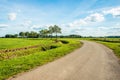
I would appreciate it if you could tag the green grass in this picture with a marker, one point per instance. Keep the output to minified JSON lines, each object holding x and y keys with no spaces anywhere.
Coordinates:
{"x":112,"y":43}
{"x":114,"y":46}
{"x":10,"y":43}
{"x":10,"y":67}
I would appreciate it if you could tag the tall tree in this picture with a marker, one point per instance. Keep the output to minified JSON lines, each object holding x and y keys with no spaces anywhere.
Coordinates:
{"x":51,"y":31}
{"x":22,"y":34}
{"x":56,"y":30}
{"x":44,"y":33}
{"x":26,"y":34}
{"x":15,"y":35}
{"x":41,"y":33}
{"x":33,"y":34}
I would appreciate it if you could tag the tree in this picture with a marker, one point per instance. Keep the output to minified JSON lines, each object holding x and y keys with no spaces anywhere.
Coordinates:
{"x":56,"y":29}
{"x":33,"y":34}
{"x":26,"y":34}
{"x":41,"y":33}
{"x":8,"y":36}
{"x":44,"y":33}
{"x":11,"y":35}
{"x":22,"y":34}
{"x":51,"y":31}
{"x":15,"y":35}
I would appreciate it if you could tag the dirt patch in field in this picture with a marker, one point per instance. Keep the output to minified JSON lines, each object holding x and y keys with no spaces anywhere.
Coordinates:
{"x":19,"y":49}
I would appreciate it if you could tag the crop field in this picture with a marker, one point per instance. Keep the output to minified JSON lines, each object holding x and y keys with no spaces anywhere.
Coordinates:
{"x":9,"y":43}
{"x":113,"y":40}
{"x":15,"y":61}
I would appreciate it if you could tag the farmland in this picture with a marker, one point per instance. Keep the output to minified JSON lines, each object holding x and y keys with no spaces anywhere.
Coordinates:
{"x":9,"y":43}
{"x":47,"y":50}
{"x":24,"y":54}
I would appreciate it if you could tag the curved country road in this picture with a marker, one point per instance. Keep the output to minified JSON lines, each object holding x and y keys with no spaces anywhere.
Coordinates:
{"x":92,"y":61}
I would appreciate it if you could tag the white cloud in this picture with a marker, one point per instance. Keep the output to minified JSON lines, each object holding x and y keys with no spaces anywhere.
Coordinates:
{"x":96,"y":17}
{"x":114,"y":11}
{"x":36,"y":27}
{"x":12,"y":16}
{"x":26,"y":23}
{"x":3,"y":25}
{"x":103,"y":28}
{"x":39,"y":27}
{"x":118,"y":24}
{"x":77,"y":23}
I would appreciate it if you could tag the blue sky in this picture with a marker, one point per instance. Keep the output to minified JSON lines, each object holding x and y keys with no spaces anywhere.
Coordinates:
{"x":84,"y":17}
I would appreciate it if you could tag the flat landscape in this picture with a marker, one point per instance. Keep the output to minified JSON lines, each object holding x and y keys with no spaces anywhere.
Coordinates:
{"x":90,"y":57}
{"x":59,"y":39}
{"x":91,"y":62}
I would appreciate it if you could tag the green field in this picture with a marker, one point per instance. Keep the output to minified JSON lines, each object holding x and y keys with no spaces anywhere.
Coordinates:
{"x":15,"y":62}
{"x":48,"y":50}
{"x":8,"y":43}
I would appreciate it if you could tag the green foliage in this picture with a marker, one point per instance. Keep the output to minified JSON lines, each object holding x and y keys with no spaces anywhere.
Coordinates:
{"x":11,"y":36}
{"x":56,"y":29}
{"x":44,"y":33}
{"x":22,"y":34}
{"x":64,"y":42}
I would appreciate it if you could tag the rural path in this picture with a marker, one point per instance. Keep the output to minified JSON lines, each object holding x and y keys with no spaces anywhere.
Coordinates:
{"x":92,"y":61}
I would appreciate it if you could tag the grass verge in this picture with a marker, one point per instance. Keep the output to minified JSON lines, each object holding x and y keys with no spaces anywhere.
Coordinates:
{"x":114,"y":46}
{"x":112,"y":43}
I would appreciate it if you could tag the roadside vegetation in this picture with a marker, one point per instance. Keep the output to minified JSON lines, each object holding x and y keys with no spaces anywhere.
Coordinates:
{"x":15,"y":62}
{"x":112,"y":43}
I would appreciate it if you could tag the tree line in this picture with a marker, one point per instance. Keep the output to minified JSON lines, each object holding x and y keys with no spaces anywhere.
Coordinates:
{"x":44,"y":33}
{"x":51,"y":32}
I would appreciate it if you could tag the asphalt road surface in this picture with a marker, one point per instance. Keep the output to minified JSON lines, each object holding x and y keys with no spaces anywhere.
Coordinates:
{"x":92,"y":61}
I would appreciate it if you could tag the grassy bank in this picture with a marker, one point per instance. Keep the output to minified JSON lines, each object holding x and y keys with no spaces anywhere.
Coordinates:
{"x":10,"y":67}
{"x":112,"y":43}
{"x":114,"y":46}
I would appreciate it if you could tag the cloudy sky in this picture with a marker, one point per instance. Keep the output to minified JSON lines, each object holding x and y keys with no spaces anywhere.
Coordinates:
{"x":84,"y":17}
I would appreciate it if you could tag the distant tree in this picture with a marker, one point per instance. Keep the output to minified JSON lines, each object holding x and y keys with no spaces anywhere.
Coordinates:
{"x":44,"y":33}
{"x":7,"y":35}
{"x":33,"y":34}
{"x":51,"y":31}
{"x":11,"y":35}
{"x":74,"y":36}
{"x":56,"y":30}
{"x":15,"y":35}
{"x":41,"y":33}
{"x":26,"y":34}
{"x":22,"y":34}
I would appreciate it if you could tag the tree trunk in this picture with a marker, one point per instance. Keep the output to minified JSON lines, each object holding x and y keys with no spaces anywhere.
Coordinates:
{"x":51,"y":35}
{"x":56,"y":36}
